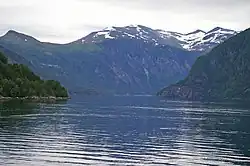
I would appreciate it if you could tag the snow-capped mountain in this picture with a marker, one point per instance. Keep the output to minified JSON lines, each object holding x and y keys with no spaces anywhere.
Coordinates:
{"x":195,"y":41}
{"x":138,"y":32}
{"x":111,"y":66}
{"x":200,"y":40}
{"x":132,"y":59}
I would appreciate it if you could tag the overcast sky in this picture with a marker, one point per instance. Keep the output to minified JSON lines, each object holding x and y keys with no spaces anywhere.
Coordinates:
{"x":67,"y":20}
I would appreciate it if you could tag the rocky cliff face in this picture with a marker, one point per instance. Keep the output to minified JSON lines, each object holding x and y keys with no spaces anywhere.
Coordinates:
{"x":224,"y":73}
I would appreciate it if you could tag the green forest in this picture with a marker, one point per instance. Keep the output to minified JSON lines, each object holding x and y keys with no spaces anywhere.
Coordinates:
{"x":17,"y":80}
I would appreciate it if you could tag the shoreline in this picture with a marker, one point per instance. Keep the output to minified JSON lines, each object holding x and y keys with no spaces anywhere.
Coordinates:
{"x":35,"y":98}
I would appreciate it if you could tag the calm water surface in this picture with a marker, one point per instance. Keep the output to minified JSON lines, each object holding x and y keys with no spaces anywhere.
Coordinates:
{"x":124,"y":131}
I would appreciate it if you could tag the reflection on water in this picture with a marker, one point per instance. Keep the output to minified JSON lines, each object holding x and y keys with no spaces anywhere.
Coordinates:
{"x":124,"y":131}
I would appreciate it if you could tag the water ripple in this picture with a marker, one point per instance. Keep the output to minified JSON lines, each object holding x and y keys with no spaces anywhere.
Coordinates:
{"x":143,"y":133}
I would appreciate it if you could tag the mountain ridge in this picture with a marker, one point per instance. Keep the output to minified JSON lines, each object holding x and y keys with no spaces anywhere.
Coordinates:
{"x":222,"y":74}
{"x":198,"y":40}
{"x":119,"y":65}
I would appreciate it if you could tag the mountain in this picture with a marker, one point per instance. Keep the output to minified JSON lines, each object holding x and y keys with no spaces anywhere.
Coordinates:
{"x":112,"y":66}
{"x":194,"y":41}
{"x":200,"y":40}
{"x":131,"y":59}
{"x":135,"y":32}
{"x":18,"y":81}
{"x":222,"y":74}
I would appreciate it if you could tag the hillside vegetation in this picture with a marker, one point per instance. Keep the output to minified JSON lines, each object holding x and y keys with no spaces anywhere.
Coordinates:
{"x":17,"y":80}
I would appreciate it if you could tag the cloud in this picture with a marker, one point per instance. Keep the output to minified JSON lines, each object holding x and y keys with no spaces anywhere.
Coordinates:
{"x":66,"y":20}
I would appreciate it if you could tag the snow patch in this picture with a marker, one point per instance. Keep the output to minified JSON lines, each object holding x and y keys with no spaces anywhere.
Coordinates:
{"x":133,"y":25}
{"x":102,"y":33}
{"x":109,"y":29}
{"x":106,"y":34}
{"x":191,"y":40}
{"x":138,"y":29}
{"x":196,"y":40}
{"x":129,"y":35}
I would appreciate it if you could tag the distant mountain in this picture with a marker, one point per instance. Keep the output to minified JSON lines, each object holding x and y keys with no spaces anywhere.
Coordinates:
{"x":131,"y":59}
{"x":224,"y":73}
{"x":200,"y":40}
{"x":194,"y":41}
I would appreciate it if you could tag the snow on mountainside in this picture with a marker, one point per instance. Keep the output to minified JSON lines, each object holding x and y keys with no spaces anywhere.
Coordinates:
{"x":195,"y":41}
{"x":112,"y":66}
{"x":131,"y":59}
{"x":137,"y":32}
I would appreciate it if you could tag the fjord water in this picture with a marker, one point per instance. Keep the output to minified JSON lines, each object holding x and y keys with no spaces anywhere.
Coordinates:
{"x":124,"y":130}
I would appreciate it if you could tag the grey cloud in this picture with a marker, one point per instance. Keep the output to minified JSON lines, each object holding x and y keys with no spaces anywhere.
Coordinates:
{"x":221,"y":10}
{"x":175,"y":4}
{"x":86,"y":27}
{"x":31,"y":18}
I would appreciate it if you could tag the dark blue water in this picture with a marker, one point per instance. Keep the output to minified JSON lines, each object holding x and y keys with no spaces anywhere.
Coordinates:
{"x":123,"y":130}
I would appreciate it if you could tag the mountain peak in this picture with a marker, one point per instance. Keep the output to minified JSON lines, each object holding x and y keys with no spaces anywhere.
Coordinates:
{"x":109,"y":28}
{"x":12,"y":32}
{"x":220,"y":29}
{"x":133,"y":25}
{"x":197,"y":40}
{"x":195,"y":32}
{"x":14,"y":35}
